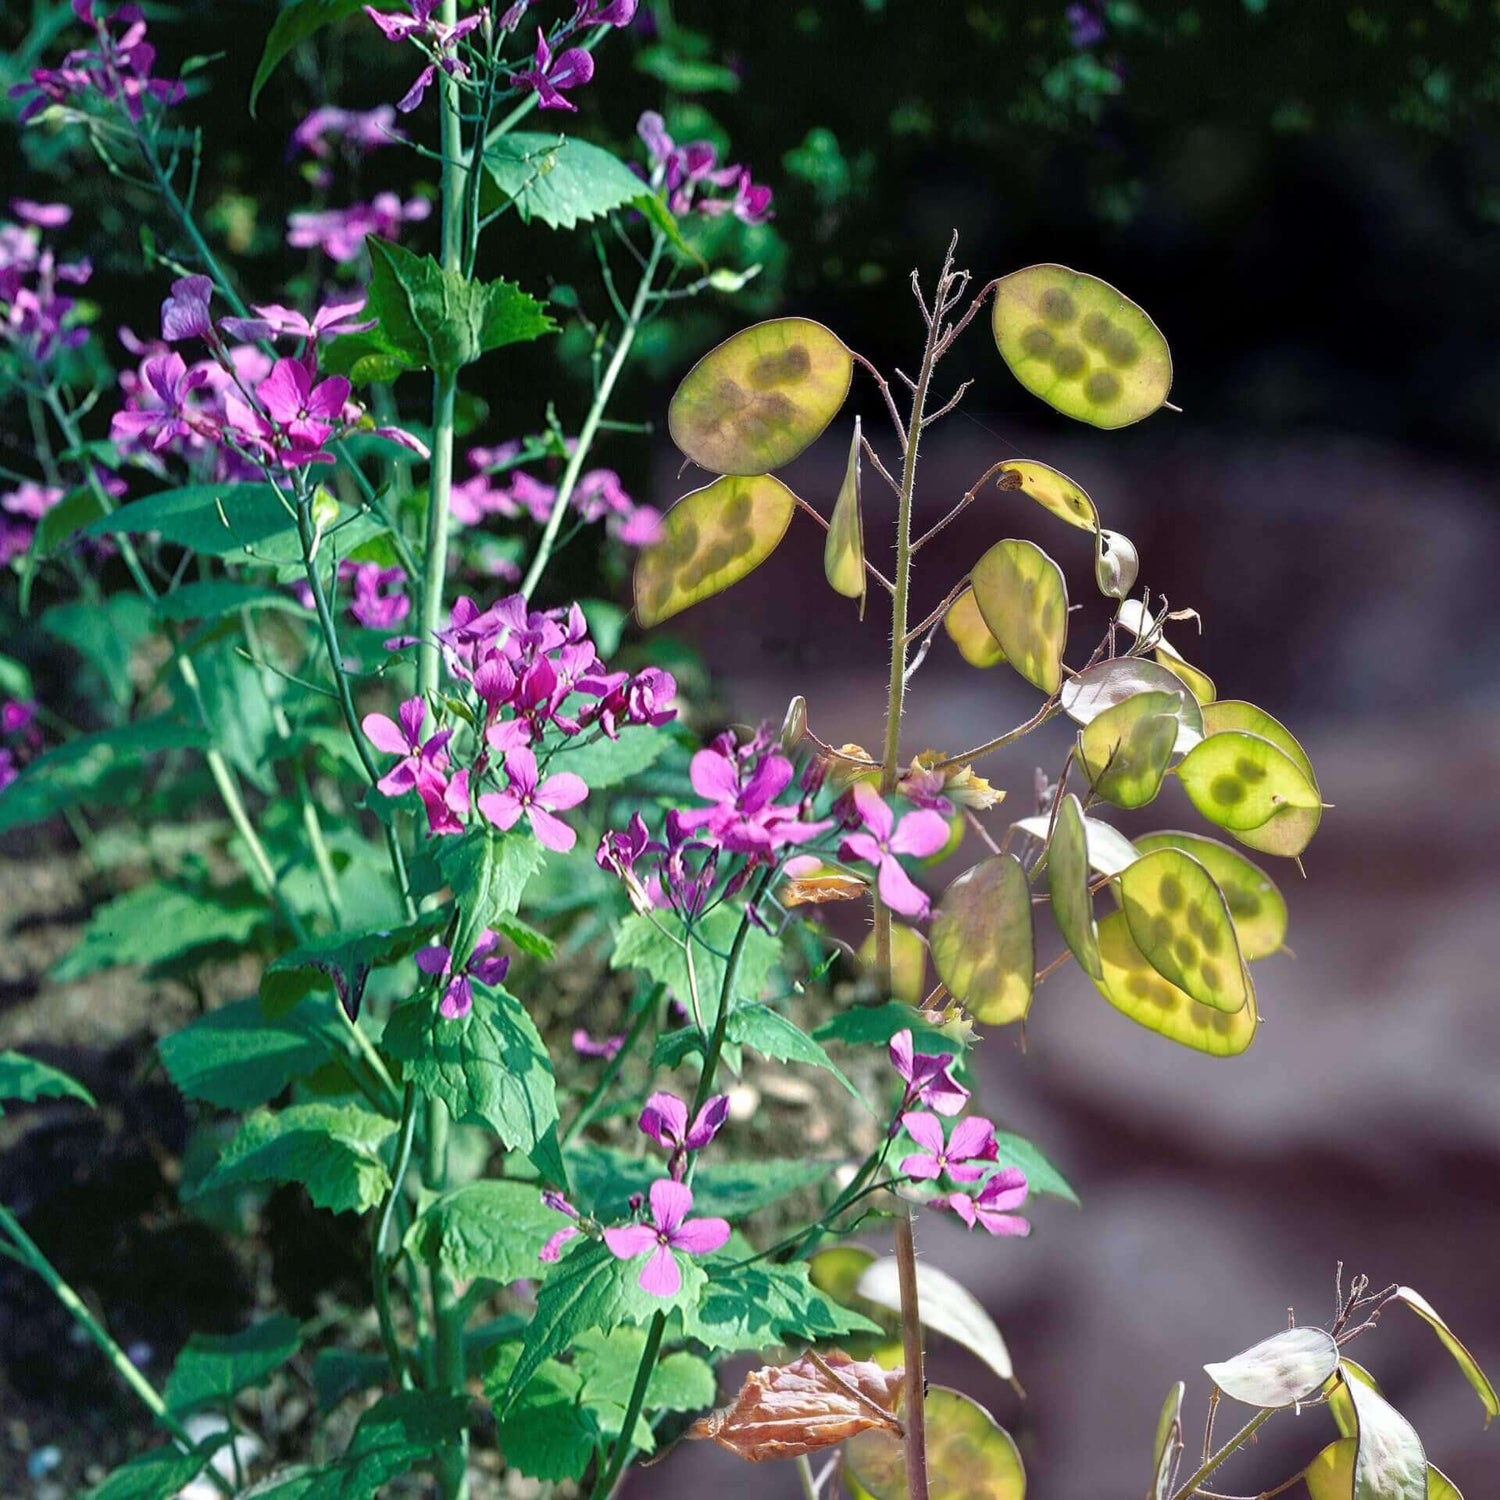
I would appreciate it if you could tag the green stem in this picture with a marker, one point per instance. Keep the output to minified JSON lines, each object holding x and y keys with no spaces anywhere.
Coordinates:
{"x":380,"y":1264}
{"x":610,"y":1475}
{"x":1190,"y":1488}
{"x":915,"y":1411}
{"x":590,"y":428}
{"x":32,"y":1256}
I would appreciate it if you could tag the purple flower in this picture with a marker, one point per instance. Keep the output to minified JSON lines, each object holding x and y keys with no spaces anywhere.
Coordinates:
{"x":437,"y":40}
{"x":973,"y":1140}
{"x":304,"y":414}
{"x":549,"y":75}
{"x":537,"y":800}
{"x":665,"y":1121}
{"x":928,"y":1077}
{"x":378,"y":602}
{"x":692,"y":180}
{"x":744,"y":816}
{"x":185,"y":315}
{"x":423,"y":766}
{"x":275,"y":321}
{"x":606,"y":12}
{"x":560,"y":1205}
{"x":585,"y":1046}
{"x":669,"y":1230}
{"x":160,"y":414}
{"x":1085,"y":26}
{"x":340,"y":232}
{"x":1005,"y":1190}
{"x":43,"y":215}
{"x":359,"y":131}
{"x":919,"y":833}
{"x":483,"y":964}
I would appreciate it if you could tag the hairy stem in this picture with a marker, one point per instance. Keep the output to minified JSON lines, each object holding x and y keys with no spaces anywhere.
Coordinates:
{"x":1190,"y":1488}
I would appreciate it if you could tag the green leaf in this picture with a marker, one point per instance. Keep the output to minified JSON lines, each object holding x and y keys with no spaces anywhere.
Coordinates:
{"x":488,"y":873}
{"x":235,"y":1058}
{"x":710,"y":540}
{"x":338,"y":1373}
{"x":875,"y":1025}
{"x":608,"y":1363}
{"x":1256,"y":907}
{"x":1041,"y":1175}
{"x":606,"y":763}
{"x":560,"y":179}
{"x":212,"y":1369}
{"x":756,"y":1306}
{"x":434,"y":319}
{"x":80,"y":770}
{"x":213,"y":598}
{"x":982,"y":943}
{"x":1455,"y":1346}
{"x":293,"y":25}
{"x":1180,"y":920}
{"x":1389,"y":1463}
{"x":493,"y":1229}
{"x":344,"y":960}
{"x":155,"y":923}
{"x":26,"y":1079}
{"x":757,"y":400}
{"x":106,"y":636}
{"x":1126,"y":749}
{"x":1023,"y":599}
{"x":1068,"y":886}
{"x":331,"y":1149}
{"x":606,"y":1177}
{"x":687,"y":75}
{"x":947,"y":1307}
{"x":770,"y":1033}
{"x":396,"y":1435}
{"x":1284,"y":1370}
{"x":489,"y":1067}
{"x":1240,"y":781}
{"x":546,"y":1434}
{"x":655,"y":945}
{"x":160,"y":1474}
{"x":968,"y":1453}
{"x":589,"y":1288}
{"x":1085,"y":349}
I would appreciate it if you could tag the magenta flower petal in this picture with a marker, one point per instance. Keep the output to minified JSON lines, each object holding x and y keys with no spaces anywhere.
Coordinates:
{"x":926,"y":1130}
{"x":708,"y":1122}
{"x":714,"y":777}
{"x":920,"y":833}
{"x":629,"y":1240}
{"x":700,"y":1236}
{"x":502,"y":809}
{"x":562,"y":791}
{"x":661,"y":1275}
{"x":873,"y":812}
{"x":898,"y":892}
{"x":922,"y":1165}
{"x":671,"y":1202}
{"x":383,"y":734}
{"x":664,"y":1119}
{"x":972,"y":1138}
{"x":458,"y":999}
{"x":435,"y":960}
{"x":552,"y":833}
{"x":553,"y":1248}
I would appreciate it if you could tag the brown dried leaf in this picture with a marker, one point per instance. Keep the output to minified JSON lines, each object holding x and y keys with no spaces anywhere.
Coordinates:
{"x":787,"y":1411}
{"x":825,"y":885}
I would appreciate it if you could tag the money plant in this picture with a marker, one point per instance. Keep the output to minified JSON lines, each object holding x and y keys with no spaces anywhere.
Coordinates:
{"x":517,"y":918}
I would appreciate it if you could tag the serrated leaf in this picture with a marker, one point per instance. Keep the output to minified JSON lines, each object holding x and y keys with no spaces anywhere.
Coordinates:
{"x":844,"y":546}
{"x":947,"y":1307}
{"x":967,"y":630}
{"x":605,"y":763}
{"x":1068,"y":886}
{"x":606,"y":1177}
{"x":491,"y":1229}
{"x":1455,"y":1346}
{"x":875,"y":1025}
{"x":155,"y":923}
{"x":1283,"y":1370}
{"x":546,"y":1433}
{"x":1180,"y":920}
{"x":435,"y":319}
{"x":982,"y":944}
{"x":1023,"y":599}
{"x":1256,"y":907}
{"x":158,"y":1475}
{"x":1053,"y":491}
{"x":488,"y":873}
{"x":1240,"y":781}
{"x":26,"y":1079}
{"x":343,"y":960}
{"x":1389,"y":1463}
{"x":236,"y":1058}
{"x":1099,"y":689}
{"x":333,"y":1150}
{"x":396,"y":1435}
{"x":757,"y":400}
{"x":1126,"y":749}
{"x":212,"y":1369}
{"x":1136,"y":990}
{"x":559,"y":179}
{"x":489,"y":1066}
{"x":710,"y":540}
{"x":608,"y":1362}
{"x":968,"y":1453}
{"x":769,"y":1032}
{"x":1084,"y":348}
{"x":755,"y":1306}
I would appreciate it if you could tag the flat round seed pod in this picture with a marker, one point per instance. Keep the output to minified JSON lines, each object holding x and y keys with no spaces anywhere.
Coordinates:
{"x":1023,"y":599}
{"x":967,"y":630}
{"x":761,"y":397}
{"x":970,"y":1456}
{"x":1256,"y":907}
{"x":982,"y":942}
{"x":1068,"y":886}
{"x":908,"y":962}
{"x":1091,"y":693}
{"x":1125,"y":751}
{"x":710,"y":539}
{"x":1239,"y":781}
{"x":1081,"y":346}
{"x":1283,"y":1370}
{"x":1116,"y":564}
{"x":1289,"y":831}
{"x":1136,"y":990}
{"x":1053,"y":491}
{"x":1180,"y":920}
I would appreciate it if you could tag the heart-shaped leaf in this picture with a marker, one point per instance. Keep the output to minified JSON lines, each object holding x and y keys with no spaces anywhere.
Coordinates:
{"x":1136,"y":990}
{"x":755,"y":402}
{"x":1081,"y":346}
{"x":1023,"y":600}
{"x":1100,"y":688}
{"x":1180,"y":920}
{"x":1068,"y":886}
{"x":1240,"y":781}
{"x":968,"y":1453}
{"x":1053,"y":491}
{"x":710,"y":539}
{"x":844,"y":547}
{"x":1256,"y":907}
{"x":1126,"y":750}
{"x":967,"y":630}
{"x":982,"y":943}
{"x":1287,"y":1368}
{"x":1455,"y":1346}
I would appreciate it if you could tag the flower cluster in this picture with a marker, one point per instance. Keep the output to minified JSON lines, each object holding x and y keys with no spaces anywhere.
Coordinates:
{"x":555,"y":66}
{"x":693,"y":180}
{"x":438,"y":41}
{"x":377,"y":596}
{"x":329,"y":131}
{"x":37,"y":320}
{"x":22,"y":508}
{"x":238,"y":412}
{"x":879,"y":840}
{"x":536,"y":685}
{"x":116,"y":67}
{"x":20,"y":739}
{"x":965,"y":1155}
{"x":483,"y":964}
{"x":498,"y":488}
{"x":340,"y":232}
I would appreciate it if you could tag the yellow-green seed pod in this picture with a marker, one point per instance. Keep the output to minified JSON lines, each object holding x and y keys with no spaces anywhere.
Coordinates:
{"x":1068,"y":886}
{"x":1081,"y":346}
{"x":844,"y":546}
{"x":969,"y":1454}
{"x":982,"y":942}
{"x":1053,"y":491}
{"x":1125,"y":751}
{"x":1256,"y":907}
{"x":1023,"y":599}
{"x":1240,"y":781}
{"x":761,"y":397}
{"x":967,"y":630}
